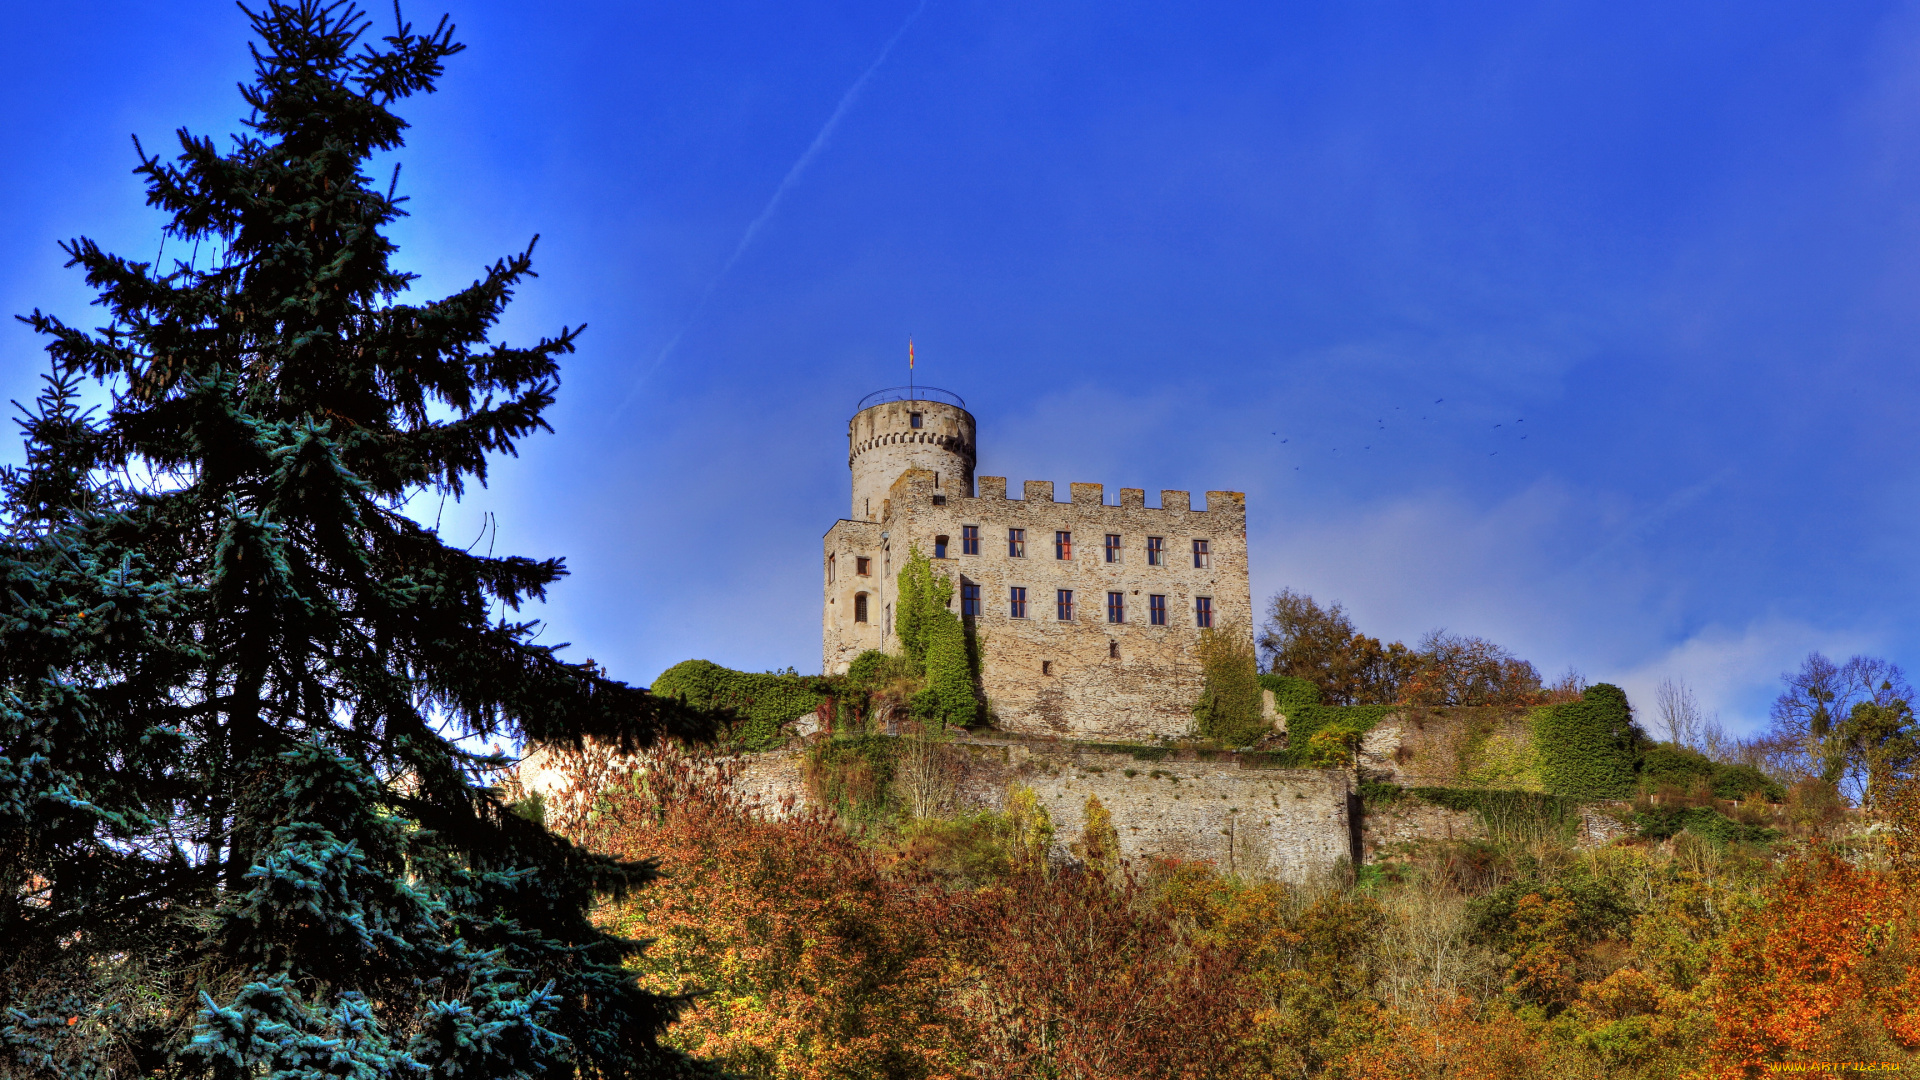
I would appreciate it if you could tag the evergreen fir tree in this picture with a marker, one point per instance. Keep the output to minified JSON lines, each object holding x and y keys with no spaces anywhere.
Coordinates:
{"x":241,"y":684}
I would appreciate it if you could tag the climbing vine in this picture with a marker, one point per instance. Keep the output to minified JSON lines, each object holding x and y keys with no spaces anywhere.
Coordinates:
{"x":761,"y":701}
{"x":1587,"y":748}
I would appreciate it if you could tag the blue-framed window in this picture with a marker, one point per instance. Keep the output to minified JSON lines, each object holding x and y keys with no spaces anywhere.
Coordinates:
{"x":1157,"y":610}
{"x":1113,"y":547}
{"x":969,"y":599}
{"x":1203,"y":611}
{"x":1016,"y":543}
{"x":969,"y":539}
{"x":1017,"y":602}
{"x":1156,"y":551}
{"x":1116,"y":607}
{"x":1063,"y":604}
{"x":1201,"y":558}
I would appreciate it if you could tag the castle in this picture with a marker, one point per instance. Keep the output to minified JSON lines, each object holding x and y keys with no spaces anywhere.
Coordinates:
{"x":1088,"y":613}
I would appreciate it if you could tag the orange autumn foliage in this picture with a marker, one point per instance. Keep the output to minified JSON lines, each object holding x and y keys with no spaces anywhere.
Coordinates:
{"x":809,"y":962}
{"x":1460,"y":1041}
{"x":1823,"y":971}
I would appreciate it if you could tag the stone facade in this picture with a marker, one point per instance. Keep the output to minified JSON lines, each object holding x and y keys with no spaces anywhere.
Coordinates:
{"x":1085,"y":675}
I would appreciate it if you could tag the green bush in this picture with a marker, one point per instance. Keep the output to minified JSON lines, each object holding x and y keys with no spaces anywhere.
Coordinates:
{"x":761,"y":702}
{"x":1666,"y":764}
{"x":1587,"y":748}
{"x":1741,"y":781}
{"x":1663,"y":822}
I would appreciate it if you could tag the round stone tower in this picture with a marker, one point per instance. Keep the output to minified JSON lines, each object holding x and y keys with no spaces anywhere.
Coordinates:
{"x":908,"y":428}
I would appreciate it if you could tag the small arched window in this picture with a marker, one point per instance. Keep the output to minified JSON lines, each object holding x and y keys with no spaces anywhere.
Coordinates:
{"x":939,"y":547}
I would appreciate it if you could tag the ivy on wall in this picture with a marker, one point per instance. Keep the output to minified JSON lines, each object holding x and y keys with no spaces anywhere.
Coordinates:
{"x":1229,"y":706}
{"x":1588,"y":748}
{"x":1320,"y":736}
{"x":936,"y":644}
{"x":762,"y":701}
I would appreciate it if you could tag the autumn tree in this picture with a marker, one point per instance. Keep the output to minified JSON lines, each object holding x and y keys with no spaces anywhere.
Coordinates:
{"x":1452,"y":669}
{"x":1304,"y":640}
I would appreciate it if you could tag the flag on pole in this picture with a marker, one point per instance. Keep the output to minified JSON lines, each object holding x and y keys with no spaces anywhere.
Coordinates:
{"x":909,"y":354}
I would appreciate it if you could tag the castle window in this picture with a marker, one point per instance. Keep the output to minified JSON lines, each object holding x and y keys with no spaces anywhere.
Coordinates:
{"x":1156,"y":551}
{"x":939,"y":500}
{"x":1116,"y":607}
{"x":914,"y":419}
{"x":1046,"y":667}
{"x":1063,"y":604}
{"x":1203,"y":611}
{"x":939,"y":547}
{"x":1157,"y":610}
{"x":1113,"y":547}
{"x":830,"y":560}
{"x":1113,"y":650}
{"x":1063,"y":545}
{"x":969,"y":539}
{"x":969,"y":599}
{"x":1016,"y":543}
{"x":862,"y":565}
{"x":1017,"y":602}
{"x":859,"y":607}
{"x":1200,"y":557}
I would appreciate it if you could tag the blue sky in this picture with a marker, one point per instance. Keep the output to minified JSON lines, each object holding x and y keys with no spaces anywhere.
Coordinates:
{"x":1589,"y":328}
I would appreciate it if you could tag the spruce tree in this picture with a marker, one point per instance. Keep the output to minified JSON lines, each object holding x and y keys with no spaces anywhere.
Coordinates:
{"x":243,"y":826}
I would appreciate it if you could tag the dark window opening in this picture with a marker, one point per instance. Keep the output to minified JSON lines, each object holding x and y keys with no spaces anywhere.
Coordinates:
{"x":1046,"y":667}
{"x":1063,"y":545}
{"x":969,"y":539}
{"x":1203,"y":612}
{"x":1017,"y":602}
{"x":862,"y":565}
{"x":939,"y":500}
{"x":1113,"y":650}
{"x":1156,"y":550}
{"x":969,"y":599}
{"x":1157,"y":610}
{"x":1116,"y":607}
{"x":1016,"y":543}
{"x":830,"y":559}
{"x":914,"y":419}
{"x":1063,"y":605}
{"x":860,"y":607}
{"x":1113,"y":547}
{"x":1200,"y":557}
{"x":939,"y":547}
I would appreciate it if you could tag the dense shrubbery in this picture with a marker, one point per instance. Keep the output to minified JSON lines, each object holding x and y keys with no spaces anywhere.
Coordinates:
{"x":761,"y":701}
{"x":944,"y":946}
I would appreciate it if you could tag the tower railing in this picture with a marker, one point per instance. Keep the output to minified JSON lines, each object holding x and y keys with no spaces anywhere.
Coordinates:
{"x":910,"y":393}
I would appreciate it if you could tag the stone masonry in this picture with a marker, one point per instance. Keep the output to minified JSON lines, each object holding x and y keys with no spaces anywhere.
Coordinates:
{"x":1107,"y":669}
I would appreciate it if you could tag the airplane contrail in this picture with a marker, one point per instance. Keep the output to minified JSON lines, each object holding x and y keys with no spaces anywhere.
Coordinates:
{"x":766,"y":213}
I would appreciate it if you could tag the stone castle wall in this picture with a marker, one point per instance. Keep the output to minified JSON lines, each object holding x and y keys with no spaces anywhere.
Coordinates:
{"x":1225,"y":808}
{"x":1083,"y":676}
